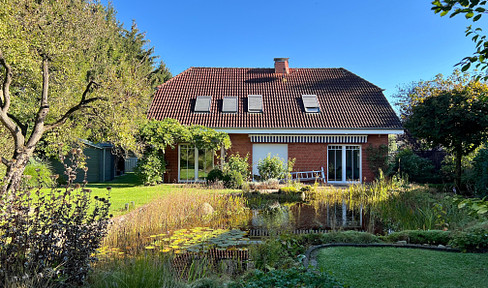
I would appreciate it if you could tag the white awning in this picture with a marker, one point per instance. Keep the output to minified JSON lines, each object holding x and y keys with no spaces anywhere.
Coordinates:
{"x":259,"y":138}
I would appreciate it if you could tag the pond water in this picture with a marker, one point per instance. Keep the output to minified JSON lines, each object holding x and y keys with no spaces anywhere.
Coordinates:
{"x":320,"y":215}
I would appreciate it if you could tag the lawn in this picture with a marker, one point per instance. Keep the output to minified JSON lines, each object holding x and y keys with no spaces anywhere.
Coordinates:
{"x":127,"y":188}
{"x":400,"y":267}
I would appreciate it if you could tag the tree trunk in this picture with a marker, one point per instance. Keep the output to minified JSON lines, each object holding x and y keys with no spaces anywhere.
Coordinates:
{"x":457,"y":181}
{"x":15,"y":170}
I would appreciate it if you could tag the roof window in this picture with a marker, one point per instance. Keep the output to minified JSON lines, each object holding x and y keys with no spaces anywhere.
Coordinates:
{"x":202,"y":104}
{"x":255,"y":103}
{"x":229,"y":105}
{"x":311,"y":103}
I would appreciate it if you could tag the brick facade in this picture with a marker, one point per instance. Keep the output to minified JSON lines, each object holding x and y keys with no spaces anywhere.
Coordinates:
{"x":309,"y":156}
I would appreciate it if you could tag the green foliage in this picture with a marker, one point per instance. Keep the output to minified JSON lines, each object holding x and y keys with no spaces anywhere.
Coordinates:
{"x":473,"y":10}
{"x":431,"y":237}
{"x":233,"y":179}
{"x":417,"y":169}
{"x":82,"y":42}
{"x":273,"y":167}
{"x":270,"y":255}
{"x":473,"y":240}
{"x":215,"y":175}
{"x":38,"y":173}
{"x":480,"y":172}
{"x":340,"y":237}
{"x":150,"y":169}
{"x":378,"y":159}
{"x":237,"y":163}
{"x":475,"y":207}
{"x":287,"y":278}
{"x":50,"y":236}
{"x":158,"y":135}
{"x":455,"y":119}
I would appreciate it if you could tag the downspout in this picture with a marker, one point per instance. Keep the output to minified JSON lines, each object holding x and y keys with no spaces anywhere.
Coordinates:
{"x":103,"y":165}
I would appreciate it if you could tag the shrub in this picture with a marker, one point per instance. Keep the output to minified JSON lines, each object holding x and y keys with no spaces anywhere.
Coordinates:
{"x":150,"y":169}
{"x":271,"y":254}
{"x":293,"y":277}
{"x":288,"y":190}
{"x":233,"y":179}
{"x":472,"y":240}
{"x":480,"y":173}
{"x":39,"y":174}
{"x":271,"y":167}
{"x":215,"y":175}
{"x":348,"y":237}
{"x":50,"y":236}
{"x":418,"y":169}
{"x":378,"y":159}
{"x":238,"y":164}
{"x":432,"y":237}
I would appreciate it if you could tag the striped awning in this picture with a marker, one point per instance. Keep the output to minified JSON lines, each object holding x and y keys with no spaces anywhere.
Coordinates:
{"x":257,"y":138}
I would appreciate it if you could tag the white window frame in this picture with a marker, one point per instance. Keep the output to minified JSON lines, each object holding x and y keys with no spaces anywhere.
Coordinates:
{"x":196,"y":165}
{"x":344,"y":164}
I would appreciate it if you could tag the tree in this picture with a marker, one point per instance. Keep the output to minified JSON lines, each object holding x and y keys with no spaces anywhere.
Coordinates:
{"x":69,"y":70}
{"x":456,"y":119}
{"x":474,"y":10}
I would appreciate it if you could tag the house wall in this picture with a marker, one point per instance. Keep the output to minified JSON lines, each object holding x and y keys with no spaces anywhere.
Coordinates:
{"x":309,"y":156}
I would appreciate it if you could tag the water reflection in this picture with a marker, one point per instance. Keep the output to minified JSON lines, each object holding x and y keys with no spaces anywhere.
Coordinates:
{"x":319,"y":215}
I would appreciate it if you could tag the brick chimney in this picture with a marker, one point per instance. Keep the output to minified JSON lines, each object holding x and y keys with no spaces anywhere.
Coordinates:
{"x":281,"y":65}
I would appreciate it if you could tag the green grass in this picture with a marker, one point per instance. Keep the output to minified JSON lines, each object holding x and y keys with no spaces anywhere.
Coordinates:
{"x":127,"y":189}
{"x":400,"y":267}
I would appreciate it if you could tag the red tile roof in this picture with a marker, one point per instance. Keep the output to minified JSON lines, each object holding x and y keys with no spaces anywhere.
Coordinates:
{"x":346,"y":100}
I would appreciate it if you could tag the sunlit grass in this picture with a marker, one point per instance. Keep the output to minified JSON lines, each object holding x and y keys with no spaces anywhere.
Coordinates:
{"x":397,"y":267}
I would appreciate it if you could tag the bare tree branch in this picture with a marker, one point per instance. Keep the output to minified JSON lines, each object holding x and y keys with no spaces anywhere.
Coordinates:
{"x":7,"y":121}
{"x":81,"y":105}
{"x":5,"y":162}
{"x":22,"y":126}
{"x":43,"y":109}
{"x":5,"y":104}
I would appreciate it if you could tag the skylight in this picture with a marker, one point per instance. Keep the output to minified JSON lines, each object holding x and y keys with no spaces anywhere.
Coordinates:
{"x":202,"y":104}
{"x":255,"y":103}
{"x":229,"y":105}
{"x":311,"y":103}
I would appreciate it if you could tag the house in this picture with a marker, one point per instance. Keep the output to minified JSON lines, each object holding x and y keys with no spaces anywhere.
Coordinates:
{"x":322,"y":117}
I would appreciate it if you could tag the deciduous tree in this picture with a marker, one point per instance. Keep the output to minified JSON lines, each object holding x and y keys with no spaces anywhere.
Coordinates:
{"x":456,"y":119}
{"x":69,"y":70}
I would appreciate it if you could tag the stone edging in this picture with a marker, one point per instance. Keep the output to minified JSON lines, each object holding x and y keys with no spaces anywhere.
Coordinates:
{"x":311,"y":252}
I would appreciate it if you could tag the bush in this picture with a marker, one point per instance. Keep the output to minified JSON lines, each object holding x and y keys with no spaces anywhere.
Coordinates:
{"x":472,"y":240}
{"x":51,"y":237}
{"x":215,"y":175}
{"x":150,"y":169}
{"x":238,"y":164}
{"x":293,"y":277}
{"x":431,"y":237}
{"x":233,"y":179}
{"x":271,"y":254}
{"x":38,"y":174}
{"x":272,"y":168}
{"x":418,"y":169}
{"x":480,"y":173}
{"x":288,"y":190}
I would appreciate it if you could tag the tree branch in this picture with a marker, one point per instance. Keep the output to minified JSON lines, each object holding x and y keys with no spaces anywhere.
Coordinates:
{"x":22,"y":126}
{"x":10,"y":124}
{"x":79,"y":106}
{"x":5,"y":161}
{"x":5,"y":104}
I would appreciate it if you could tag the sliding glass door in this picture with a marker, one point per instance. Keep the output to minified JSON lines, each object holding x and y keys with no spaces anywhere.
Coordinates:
{"x":194,"y":164}
{"x":343,"y":163}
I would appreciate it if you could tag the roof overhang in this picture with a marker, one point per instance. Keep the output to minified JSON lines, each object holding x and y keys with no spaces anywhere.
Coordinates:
{"x":270,"y":131}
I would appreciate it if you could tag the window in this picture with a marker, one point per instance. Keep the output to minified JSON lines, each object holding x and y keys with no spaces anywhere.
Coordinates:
{"x":202,"y":104}
{"x":311,"y":103}
{"x":255,"y":103}
{"x":344,"y":163}
{"x":229,"y":105}
{"x":194,"y":164}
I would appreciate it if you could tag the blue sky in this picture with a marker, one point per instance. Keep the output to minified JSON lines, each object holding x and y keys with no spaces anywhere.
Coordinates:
{"x":387,"y":42}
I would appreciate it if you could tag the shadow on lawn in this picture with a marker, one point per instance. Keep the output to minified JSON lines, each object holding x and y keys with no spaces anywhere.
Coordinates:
{"x":125,"y":181}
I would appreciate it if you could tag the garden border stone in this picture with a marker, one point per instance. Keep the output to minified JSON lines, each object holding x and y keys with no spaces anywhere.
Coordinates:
{"x":311,"y":253}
